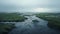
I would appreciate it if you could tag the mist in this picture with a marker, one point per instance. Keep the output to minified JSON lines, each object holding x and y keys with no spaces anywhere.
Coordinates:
{"x":30,"y":6}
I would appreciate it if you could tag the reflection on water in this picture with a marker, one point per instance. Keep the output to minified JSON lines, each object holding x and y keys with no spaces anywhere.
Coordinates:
{"x":28,"y":27}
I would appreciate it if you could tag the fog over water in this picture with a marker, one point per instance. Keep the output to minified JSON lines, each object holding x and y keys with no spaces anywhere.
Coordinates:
{"x":27,"y":8}
{"x":29,"y":5}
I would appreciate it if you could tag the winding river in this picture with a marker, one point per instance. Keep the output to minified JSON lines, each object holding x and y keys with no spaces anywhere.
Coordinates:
{"x":28,"y":27}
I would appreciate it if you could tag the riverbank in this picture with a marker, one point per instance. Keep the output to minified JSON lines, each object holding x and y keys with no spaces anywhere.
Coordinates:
{"x":11,"y":17}
{"x":33,"y":25}
{"x":52,"y":18}
{"x":5,"y":28}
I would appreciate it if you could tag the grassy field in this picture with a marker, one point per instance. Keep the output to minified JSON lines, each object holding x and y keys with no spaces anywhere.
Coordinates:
{"x":11,"y":17}
{"x":52,"y":18}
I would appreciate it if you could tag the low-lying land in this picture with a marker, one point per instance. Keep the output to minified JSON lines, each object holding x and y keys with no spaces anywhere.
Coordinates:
{"x":52,"y":18}
{"x":11,"y":17}
{"x":5,"y":28}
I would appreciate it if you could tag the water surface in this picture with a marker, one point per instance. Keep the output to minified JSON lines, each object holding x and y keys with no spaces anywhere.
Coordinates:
{"x":28,"y":27}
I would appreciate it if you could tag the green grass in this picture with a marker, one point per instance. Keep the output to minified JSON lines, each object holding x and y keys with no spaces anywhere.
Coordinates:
{"x":52,"y":18}
{"x":11,"y":17}
{"x":5,"y":28}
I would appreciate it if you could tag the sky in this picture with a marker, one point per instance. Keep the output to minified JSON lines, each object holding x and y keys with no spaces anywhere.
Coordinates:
{"x":29,"y":5}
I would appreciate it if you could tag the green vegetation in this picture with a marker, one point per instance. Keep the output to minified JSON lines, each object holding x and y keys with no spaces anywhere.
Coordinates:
{"x":5,"y":28}
{"x":52,"y":18}
{"x":11,"y":17}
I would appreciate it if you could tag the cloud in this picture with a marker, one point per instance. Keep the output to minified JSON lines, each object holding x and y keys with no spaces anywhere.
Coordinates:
{"x":29,"y":5}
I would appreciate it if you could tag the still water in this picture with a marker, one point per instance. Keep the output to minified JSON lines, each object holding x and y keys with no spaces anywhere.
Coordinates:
{"x":28,"y":27}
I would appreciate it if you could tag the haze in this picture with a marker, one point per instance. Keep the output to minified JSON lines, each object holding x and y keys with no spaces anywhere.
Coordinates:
{"x":29,"y":5}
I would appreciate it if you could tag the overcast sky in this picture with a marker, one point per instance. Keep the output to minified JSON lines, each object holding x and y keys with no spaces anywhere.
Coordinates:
{"x":30,"y":5}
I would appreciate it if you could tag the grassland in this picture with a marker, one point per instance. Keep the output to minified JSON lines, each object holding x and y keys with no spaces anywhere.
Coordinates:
{"x":52,"y":18}
{"x":11,"y":17}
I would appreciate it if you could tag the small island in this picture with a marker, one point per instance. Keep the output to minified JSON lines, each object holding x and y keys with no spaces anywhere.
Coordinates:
{"x":35,"y":21}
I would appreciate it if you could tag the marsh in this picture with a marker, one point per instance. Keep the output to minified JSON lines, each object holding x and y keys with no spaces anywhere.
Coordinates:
{"x":30,"y":16}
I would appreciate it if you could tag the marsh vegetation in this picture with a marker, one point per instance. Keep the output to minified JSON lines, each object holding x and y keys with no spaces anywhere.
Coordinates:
{"x":11,"y":17}
{"x":5,"y":28}
{"x":52,"y":18}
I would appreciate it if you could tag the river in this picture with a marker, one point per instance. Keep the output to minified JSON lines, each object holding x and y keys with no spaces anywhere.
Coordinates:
{"x":28,"y":27}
